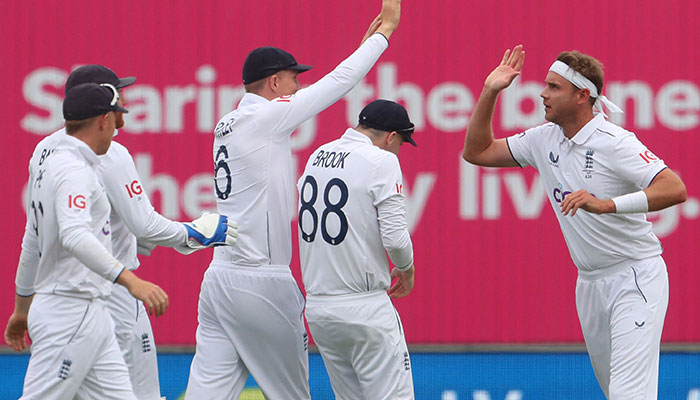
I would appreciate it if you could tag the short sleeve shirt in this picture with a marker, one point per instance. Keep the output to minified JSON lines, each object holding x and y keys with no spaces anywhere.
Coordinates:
{"x":607,"y":161}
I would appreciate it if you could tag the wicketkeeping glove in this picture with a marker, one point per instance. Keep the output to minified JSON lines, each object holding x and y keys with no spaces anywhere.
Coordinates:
{"x":209,"y":230}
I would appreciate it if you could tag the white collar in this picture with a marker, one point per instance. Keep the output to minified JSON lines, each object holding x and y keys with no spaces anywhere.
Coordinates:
{"x":352,"y":134}
{"x":78,"y":147}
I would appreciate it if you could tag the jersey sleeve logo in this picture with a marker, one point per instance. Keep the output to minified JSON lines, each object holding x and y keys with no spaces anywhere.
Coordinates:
{"x":134,"y":189}
{"x":648,"y":157}
{"x":76,"y":201}
{"x":399,"y":188}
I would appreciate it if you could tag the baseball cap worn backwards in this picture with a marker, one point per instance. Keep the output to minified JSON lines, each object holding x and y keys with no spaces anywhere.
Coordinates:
{"x":94,"y":73}
{"x":265,"y":61}
{"x":89,"y":100}
{"x":388,"y":116}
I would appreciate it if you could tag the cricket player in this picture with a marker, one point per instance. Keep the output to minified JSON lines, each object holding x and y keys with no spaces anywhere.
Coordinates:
{"x":600,"y":180}
{"x":131,"y":211}
{"x":351,"y":215}
{"x":66,"y":270}
{"x":250,"y":307}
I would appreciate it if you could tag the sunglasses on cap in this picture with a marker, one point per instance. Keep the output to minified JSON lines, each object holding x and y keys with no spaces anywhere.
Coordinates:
{"x":115,"y":98}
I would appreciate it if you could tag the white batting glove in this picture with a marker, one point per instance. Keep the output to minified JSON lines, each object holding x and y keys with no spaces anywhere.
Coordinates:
{"x":144,"y":248}
{"x":209,"y":230}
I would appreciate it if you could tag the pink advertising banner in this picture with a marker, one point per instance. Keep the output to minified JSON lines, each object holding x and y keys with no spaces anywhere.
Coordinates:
{"x":492,"y":265}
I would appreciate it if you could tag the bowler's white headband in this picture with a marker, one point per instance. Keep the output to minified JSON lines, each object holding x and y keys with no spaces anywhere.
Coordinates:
{"x":581,"y":82}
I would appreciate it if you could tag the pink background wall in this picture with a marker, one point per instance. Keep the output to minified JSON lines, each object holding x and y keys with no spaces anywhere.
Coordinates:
{"x":492,"y":266}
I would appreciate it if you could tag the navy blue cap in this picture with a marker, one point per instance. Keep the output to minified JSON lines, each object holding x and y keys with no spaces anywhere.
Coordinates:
{"x":388,"y":116}
{"x":265,"y":61}
{"x":93,"y":73}
{"x":89,"y":100}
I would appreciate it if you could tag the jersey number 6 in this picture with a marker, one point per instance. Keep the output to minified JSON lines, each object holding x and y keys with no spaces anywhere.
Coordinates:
{"x":307,"y":206}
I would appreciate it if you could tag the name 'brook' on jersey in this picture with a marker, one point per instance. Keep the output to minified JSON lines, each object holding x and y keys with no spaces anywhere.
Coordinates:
{"x":351,"y":209}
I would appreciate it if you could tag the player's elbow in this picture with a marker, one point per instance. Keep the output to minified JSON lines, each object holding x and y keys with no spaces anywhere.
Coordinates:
{"x":680,"y":193}
{"x":473,"y":157}
{"x":69,"y":238}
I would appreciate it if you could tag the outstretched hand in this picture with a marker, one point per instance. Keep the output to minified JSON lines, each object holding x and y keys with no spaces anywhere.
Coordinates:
{"x":510,"y":67}
{"x":389,"y":17}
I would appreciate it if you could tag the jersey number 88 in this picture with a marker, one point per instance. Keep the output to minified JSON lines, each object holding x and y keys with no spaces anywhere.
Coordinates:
{"x":307,"y":207}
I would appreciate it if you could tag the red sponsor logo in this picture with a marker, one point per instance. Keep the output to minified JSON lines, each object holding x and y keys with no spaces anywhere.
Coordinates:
{"x":648,"y":156}
{"x":399,"y":188}
{"x":284,"y":99}
{"x":134,"y":189}
{"x":76,"y":201}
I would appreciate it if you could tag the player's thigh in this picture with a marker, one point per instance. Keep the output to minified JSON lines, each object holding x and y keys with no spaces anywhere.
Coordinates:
{"x":217,"y":371}
{"x":62,"y":352}
{"x":135,"y":338}
{"x":336,"y":352}
{"x":141,"y":360}
{"x":383,"y":364}
{"x":267,"y":329}
{"x":108,"y":378}
{"x":637,"y":323}
{"x":371,"y":336}
{"x":593,"y":308}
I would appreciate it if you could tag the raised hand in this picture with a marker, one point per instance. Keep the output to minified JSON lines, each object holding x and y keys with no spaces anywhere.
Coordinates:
{"x":372,"y":27}
{"x":390,"y":16}
{"x":510,"y":67}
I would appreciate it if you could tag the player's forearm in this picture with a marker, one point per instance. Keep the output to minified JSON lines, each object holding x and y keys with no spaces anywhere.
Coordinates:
{"x":162,"y":231}
{"x":479,"y":134}
{"x":394,"y":232}
{"x":90,"y":252}
{"x":311,"y":100}
{"x":27,"y":269}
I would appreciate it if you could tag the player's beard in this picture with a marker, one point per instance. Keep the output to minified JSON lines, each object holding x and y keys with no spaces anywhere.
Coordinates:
{"x":119,"y":120}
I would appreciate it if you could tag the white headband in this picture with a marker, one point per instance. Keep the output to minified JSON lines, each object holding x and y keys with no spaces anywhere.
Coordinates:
{"x":581,"y":82}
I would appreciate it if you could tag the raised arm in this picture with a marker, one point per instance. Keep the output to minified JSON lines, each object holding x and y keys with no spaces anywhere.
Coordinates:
{"x":480,"y":148}
{"x":311,"y":100}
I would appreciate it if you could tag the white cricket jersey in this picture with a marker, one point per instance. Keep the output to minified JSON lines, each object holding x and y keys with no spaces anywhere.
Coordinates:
{"x":132,"y":213}
{"x":253,"y":160}
{"x":607,"y":161}
{"x":351,"y":214}
{"x":67,"y":242}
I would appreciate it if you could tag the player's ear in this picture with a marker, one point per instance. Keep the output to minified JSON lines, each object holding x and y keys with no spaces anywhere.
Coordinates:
{"x":583,"y":95}
{"x":273,"y":82}
{"x":391,"y":137}
{"x":103,"y":120}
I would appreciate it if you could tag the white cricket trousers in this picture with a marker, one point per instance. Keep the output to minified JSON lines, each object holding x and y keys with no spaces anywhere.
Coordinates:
{"x":74,"y":354}
{"x":135,"y":338}
{"x":250,"y":322}
{"x":362,"y":343}
{"x":622,"y":309}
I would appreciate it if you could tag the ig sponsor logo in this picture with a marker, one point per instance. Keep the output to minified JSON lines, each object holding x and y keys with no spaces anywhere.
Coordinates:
{"x":134,"y":189}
